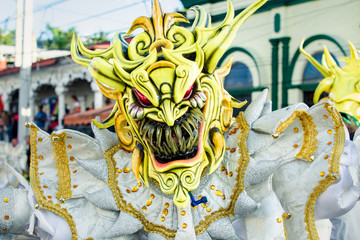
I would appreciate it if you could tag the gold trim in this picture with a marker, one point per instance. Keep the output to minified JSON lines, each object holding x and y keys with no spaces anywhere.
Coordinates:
{"x":239,"y":185}
{"x":309,"y":144}
{"x":334,"y":162}
{"x":204,"y":224}
{"x":38,"y":192}
{"x":125,"y":206}
{"x":62,"y":164}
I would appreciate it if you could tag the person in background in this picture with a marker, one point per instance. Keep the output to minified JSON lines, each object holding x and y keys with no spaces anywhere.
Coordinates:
{"x":2,"y":128}
{"x":40,"y":118}
{"x":76,"y":105}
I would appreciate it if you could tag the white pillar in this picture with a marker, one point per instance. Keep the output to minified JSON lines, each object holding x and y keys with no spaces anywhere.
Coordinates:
{"x":82,"y":101}
{"x":6,"y":101}
{"x":98,"y":96}
{"x":25,"y":71}
{"x":32,"y":106}
{"x":60,"y":92}
{"x":19,"y":32}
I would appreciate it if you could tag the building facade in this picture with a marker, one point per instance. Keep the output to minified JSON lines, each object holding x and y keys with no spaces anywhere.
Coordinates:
{"x":266,"y":49}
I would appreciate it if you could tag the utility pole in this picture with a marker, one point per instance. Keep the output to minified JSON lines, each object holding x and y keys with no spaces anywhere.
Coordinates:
{"x":25,"y":70}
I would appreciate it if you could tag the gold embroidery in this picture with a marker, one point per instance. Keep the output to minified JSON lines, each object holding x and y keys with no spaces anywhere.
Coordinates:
{"x":62,"y":164}
{"x":127,"y":207}
{"x":39,"y":194}
{"x":239,"y":185}
{"x":334,"y":162}
{"x":310,"y":141}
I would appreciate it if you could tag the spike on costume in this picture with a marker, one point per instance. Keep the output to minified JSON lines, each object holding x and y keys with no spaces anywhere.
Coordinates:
{"x":179,"y":166}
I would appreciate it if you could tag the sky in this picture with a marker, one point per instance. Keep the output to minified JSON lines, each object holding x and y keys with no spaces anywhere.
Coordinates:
{"x":87,"y":16}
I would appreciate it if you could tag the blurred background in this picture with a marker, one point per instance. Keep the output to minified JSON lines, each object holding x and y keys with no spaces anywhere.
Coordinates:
{"x":39,"y":81}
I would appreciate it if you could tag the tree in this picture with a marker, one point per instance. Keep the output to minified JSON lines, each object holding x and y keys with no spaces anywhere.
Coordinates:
{"x":60,"y":39}
{"x":95,"y":38}
{"x":7,"y":37}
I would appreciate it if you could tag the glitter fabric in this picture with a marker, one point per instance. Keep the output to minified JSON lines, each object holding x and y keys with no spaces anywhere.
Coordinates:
{"x":102,"y":199}
{"x":98,"y":168}
{"x":124,"y":225}
{"x":222,"y":229}
{"x":7,"y":200}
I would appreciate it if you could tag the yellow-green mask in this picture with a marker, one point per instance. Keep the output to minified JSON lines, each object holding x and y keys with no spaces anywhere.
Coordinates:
{"x":171,"y":109}
{"x":342,"y":85}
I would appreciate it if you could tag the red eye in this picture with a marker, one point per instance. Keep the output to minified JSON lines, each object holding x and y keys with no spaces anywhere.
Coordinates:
{"x":188,"y":92}
{"x":142,"y":99}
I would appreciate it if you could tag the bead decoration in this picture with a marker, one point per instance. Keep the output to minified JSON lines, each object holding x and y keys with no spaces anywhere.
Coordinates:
{"x":72,"y":158}
{"x":329,"y":131}
{"x":296,"y":130}
{"x":148,"y":202}
{"x":295,"y":145}
{"x":162,"y":219}
{"x":222,"y":168}
{"x":230,"y":174}
{"x":45,"y":186}
{"x":329,"y":143}
{"x":325,"y":117}
{"x":6,"y":200}
{"x":128,"y":191}
{"x":152,"y":196}
{"x":322,"y":174}
{"x":42,"y":173}
{"x":223,"y":197}
{"x":232,"y":150}
{"x":218,"y":193}
{"x":183,"y":213}
{"x":227,"y":148}
{"x":144,"y":208}
{"x":184,"y":225}
{"x":41,"y":157}
{"x":165,"y":212}
{"x":126,"y":170}
{"x":74,"y":171}
{"x":275,"y":135}
{"x":279,"y":220}
{"x":6,"y":217}
{"x":212,"y":187}
{"x":40,"y":139}
{"x":134,"y":189}
{"x":326,"y":157}
{"x":119,"y":171}
{"x":140,"y":184}
{"x":75,"y":186}
{"x":4,"y":230}
{"x":167,"y":205}
{"x":208,"y":209}
{"x":69,"y":146}
{"x":49,"y":197}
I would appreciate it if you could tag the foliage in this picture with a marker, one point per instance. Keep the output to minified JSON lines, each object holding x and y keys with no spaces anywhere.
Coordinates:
{"x":7,"y":37}
{"x":60,"y":39}
{"x":95,"y":38}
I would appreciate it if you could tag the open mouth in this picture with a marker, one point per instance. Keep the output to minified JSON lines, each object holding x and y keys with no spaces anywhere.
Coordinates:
{"x":178,"y":142}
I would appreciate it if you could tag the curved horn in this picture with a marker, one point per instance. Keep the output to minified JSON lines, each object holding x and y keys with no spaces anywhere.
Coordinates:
{"x":324,"y":86}
{"x":202,"y":19}
{"x":330,"y":61}
{"x":353,"y":51}
{"x":225,"y":34}
{"x":325,"y":72}
{"x":75,"y":54}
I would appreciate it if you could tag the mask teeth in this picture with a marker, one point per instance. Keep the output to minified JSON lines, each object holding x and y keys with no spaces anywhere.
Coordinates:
{"x":177,"y":140}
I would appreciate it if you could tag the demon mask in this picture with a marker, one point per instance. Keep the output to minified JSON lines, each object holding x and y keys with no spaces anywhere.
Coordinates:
{"x":171,"y":108}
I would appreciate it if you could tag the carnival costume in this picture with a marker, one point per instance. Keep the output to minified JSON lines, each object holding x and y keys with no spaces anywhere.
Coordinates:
{"x":179,"y":166}
{"x":342,"y":88}
{"x":14,"y":157}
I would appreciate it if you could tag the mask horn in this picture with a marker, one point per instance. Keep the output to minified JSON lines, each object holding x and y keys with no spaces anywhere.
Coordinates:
{"x":325,"y":72}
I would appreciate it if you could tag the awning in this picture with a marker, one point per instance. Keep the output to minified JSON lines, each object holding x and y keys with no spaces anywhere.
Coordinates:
{"x":84,"y":118}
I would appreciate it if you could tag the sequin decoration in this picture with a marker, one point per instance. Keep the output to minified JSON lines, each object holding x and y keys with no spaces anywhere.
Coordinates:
{"x":6,"y":217}
{"x":6,"y":200}
{"x":326,"y":157}
{"x":329,"y":131}
{"x":218,"y":193}
{"x":41,"y":157}
{"x":162,"y":219}
{"x":212,"y":187}
{"x":295,"y":145}
{"x":152,"y":196}
{"x":148,"y":202}
{"x":126,"y":170}
{"x":296,"y":130}
{"x":167,"y":205}
{"x":184,"y":225}
{"x":232,"y":150}
{"x":279,"y":220}
{"x":322,"y":174}
{"x":183,"y":213}
{"x":165,"y":212}
{"x":134,"y":189}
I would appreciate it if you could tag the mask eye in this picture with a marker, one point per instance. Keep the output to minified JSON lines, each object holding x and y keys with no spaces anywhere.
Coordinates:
{"x":188,"y":93}
{"x":142,"y":99}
